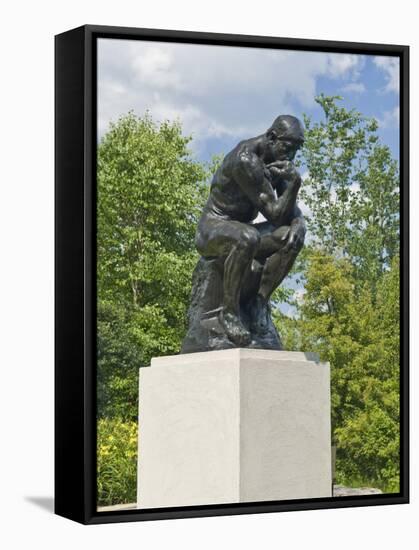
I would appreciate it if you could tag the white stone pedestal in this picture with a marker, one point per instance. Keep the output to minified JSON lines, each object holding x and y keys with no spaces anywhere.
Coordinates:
{"x":239,"y":425}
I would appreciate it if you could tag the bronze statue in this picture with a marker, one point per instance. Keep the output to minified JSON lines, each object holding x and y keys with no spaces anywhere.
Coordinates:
{"x":242,"y":262}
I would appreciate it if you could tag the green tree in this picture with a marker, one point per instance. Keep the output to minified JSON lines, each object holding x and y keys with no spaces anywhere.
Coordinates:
{"x":351,"y":189}
{"x":119,"y":357}
{"x":369,"y":438}
{"x":149,"y":196}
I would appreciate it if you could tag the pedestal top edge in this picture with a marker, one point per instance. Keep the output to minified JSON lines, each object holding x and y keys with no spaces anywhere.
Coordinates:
{"x":234,"y":354}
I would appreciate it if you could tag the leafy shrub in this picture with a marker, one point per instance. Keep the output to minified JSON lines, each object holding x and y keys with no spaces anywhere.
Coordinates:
{"x":116,"y":461}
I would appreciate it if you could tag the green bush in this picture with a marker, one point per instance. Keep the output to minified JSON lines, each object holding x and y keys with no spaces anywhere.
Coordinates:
{"x":116,"y":461}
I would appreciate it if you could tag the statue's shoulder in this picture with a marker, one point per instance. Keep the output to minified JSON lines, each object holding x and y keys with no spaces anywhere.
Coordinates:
{"x":247,"y":145}
{"x":245,"y":148}
{"x":242,"y":152}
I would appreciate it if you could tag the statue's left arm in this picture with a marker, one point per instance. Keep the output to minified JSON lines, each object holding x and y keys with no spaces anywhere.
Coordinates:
{"x":297,"y":230}
{"x":282,"y":182}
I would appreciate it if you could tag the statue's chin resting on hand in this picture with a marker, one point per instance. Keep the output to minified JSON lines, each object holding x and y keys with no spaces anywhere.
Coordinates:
{"x":242,"y":262}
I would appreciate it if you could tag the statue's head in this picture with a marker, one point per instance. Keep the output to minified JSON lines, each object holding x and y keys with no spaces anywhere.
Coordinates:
{"x":284,"y":138}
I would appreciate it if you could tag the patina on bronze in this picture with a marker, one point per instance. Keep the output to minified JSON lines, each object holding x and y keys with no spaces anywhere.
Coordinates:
{"x":243,"y":262}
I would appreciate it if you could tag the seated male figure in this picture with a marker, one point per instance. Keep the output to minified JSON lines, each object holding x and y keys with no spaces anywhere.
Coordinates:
{"x":257,"y":176}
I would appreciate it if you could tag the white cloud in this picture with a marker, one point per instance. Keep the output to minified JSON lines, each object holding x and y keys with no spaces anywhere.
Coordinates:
{"x":391,"y":68}
{"x":216,"y":91}
{"x":344,"y":64}
{"x":155,"y":67}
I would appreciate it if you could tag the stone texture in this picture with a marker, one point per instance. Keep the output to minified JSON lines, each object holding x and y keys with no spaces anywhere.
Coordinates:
{"x":235,"y":425}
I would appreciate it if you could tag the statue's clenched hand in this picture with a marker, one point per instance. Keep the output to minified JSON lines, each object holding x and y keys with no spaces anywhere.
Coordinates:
{"x":284,"y":170}
{"x":294,"y":236}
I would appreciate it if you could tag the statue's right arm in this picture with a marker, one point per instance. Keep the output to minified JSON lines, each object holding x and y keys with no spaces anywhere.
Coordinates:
{"x":249,"y":173}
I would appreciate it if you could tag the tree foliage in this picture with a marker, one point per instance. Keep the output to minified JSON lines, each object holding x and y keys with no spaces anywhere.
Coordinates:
{"x":351,"y":189}
{"x":149,"y":197}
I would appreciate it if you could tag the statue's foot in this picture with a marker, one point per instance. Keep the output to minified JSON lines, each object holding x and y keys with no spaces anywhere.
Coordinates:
{"x":260,"y":314}
{"x":234,"y":328}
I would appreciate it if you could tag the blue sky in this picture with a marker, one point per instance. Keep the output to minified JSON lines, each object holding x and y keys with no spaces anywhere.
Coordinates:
{"x":225,"y":94}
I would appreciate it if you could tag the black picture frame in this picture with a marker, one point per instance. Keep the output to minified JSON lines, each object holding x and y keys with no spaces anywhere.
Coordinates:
{"x":75,"y":281}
